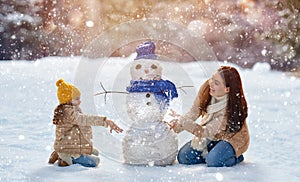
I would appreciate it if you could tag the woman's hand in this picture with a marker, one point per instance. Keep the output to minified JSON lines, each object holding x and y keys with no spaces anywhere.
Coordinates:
{"x":113,"y":126}
{"x":174,"y":114}
{"x":173,"y":124}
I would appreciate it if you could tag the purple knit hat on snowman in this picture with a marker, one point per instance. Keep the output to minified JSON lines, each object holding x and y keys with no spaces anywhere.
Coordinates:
{"x":145,"y":50}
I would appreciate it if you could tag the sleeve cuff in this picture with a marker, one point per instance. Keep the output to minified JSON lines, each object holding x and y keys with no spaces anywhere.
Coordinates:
{"x":189,"y":126}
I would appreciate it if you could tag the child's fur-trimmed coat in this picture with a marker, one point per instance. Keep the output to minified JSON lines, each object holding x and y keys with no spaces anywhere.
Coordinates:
{"x":73,"y":129}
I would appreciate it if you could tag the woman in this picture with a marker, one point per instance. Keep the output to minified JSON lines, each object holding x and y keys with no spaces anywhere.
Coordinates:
{"x":222,"y":136}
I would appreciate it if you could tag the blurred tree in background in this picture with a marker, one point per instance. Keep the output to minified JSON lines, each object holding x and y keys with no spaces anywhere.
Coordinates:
{"x":239,"y":31}
{"x":285,"y":34}
{"x":19,"y":30}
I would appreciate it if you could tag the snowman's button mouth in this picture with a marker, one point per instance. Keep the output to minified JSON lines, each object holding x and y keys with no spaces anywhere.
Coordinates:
{"x":148,"y":103}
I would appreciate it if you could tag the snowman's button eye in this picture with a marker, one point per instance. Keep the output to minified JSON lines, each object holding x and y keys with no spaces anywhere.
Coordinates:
{"x":153,"y":66}
{"x":138,"y":66}
{"x":148,"y":95}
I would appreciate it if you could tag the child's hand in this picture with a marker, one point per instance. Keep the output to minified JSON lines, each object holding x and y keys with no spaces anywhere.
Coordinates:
{"x":113,"y":126}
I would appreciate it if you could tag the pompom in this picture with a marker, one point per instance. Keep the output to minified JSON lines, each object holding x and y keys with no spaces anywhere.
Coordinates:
{"x":59,"y":82}
{"x":146,"y":50}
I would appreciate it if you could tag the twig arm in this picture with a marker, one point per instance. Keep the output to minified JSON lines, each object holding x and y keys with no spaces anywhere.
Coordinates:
{"x":181,"y":88}
{"x":108,"y":92}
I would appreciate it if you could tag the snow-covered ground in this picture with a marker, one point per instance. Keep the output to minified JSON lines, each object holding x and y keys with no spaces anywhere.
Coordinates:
{"x":28,"y":98}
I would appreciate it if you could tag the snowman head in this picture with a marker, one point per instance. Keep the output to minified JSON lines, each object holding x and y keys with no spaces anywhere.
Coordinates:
{"x":145,"y":67}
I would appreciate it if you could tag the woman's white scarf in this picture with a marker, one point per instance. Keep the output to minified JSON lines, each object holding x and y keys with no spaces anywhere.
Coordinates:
{"x":216,"y":104}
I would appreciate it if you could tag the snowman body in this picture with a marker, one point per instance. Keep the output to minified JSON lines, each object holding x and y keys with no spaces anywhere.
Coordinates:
{"x":148,"y":141}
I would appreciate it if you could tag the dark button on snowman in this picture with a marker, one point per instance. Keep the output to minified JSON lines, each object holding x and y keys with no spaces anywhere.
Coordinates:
{"x":149,"y":141}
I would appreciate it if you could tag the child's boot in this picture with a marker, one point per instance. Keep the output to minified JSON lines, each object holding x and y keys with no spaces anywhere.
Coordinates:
{"x":62,"y":163}
{"x":53,"y":157}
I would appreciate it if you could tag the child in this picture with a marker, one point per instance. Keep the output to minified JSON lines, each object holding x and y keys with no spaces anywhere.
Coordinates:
{"x":222,"y":136}
{"x":73,"y":143}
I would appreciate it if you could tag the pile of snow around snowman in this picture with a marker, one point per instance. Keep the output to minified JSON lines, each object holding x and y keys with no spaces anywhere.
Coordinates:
{"x":220,"y":139}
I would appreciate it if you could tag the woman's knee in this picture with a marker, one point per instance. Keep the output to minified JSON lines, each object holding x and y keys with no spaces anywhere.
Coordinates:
{"x":188,"y":155}
{"x":182,"y":156}
{"x":221,"y":155}
{"x":216,"y":162}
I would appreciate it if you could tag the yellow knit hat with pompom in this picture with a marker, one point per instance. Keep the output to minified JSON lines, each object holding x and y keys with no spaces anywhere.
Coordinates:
{"x":66,"y":92}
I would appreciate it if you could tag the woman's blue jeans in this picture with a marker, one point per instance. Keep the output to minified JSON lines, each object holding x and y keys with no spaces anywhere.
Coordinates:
{"x":220,"y":153}
{"x":87,"y":160}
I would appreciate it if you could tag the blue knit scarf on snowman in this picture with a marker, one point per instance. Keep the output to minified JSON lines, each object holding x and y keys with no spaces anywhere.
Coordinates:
{"x":164,"y":90}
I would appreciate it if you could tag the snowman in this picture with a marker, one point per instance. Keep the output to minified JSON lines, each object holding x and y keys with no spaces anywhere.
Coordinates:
{"x":149,"y":141}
